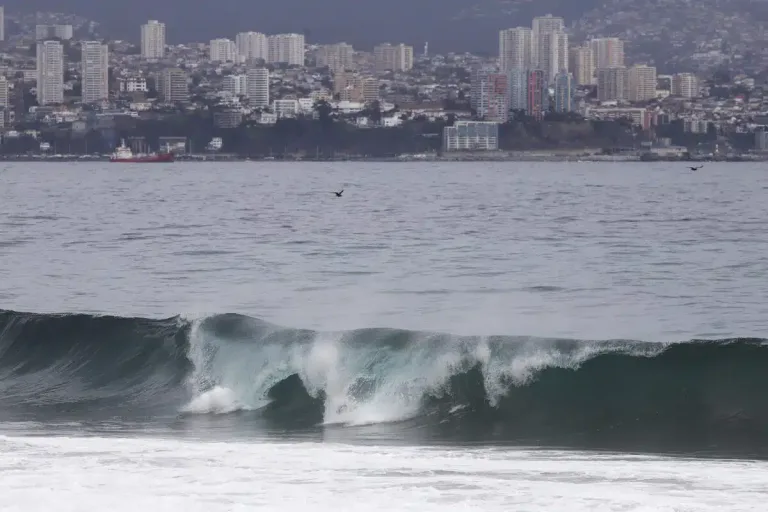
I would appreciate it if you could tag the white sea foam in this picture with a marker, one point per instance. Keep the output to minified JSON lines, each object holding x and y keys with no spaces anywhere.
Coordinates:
{"x":92,"y":473}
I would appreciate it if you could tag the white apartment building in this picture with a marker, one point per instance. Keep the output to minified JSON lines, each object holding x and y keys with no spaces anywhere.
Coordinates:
{"x":252,"y":46}
{"x":582,"y":65}
{"x":95,"y":71}
{"x":642,"y":83}
{"x":685,"y":85}
{"x":471,"y":136}
{"x":543,"y":25}
{"x":134,"y":84}
{"x":389,"y":57}
{"x":608,"y":52}
{"x":257,"y":84}
{"x":173,"y":85}
{"x":612,"y":84}
{"x":286,"y":49}
{"x":153,"y":40}
{"x":515,"y":50}
{"x":4,"y":92}
{"x":553,"y":53}
{"x":222,"y":50}
{"x":43,"y":32}
{"x":50,"y":72}
{"x":338,"y":57}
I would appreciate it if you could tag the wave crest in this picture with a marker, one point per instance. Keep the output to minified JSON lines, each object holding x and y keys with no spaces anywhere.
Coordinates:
{"x":692,"y":395}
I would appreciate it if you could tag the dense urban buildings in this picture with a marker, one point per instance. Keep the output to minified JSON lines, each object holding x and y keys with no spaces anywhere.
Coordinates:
{"x":548,"y":80}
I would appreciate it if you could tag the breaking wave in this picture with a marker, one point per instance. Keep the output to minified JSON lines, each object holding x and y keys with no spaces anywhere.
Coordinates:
{"x":689,"y":396}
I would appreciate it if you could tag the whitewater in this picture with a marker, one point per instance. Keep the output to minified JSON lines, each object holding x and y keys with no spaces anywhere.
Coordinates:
{"x":544,"y":337}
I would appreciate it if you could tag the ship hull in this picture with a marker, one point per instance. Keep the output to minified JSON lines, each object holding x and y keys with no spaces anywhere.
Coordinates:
{"x":143,"y":159}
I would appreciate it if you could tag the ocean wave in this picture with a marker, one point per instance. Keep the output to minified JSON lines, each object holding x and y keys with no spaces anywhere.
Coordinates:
{"x":693,"y":395}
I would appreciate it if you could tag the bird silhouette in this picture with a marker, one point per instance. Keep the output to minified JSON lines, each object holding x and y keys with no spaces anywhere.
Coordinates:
{"x":696,"y":168}
{"x":338,"y":194}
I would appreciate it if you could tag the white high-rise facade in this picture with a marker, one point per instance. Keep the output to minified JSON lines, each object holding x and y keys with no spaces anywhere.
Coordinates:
{"x":542,"y":26}
{"x":257,"y":87}
{"x":223,"y":50}
{"x":252,"y":45}
{"x":153,"y":40}
{"x":642,"y":83}
{"x":95,"y":71}
{"x":582,"y":64}
{"x":685,"y":85}
{"x":4,"y":103}
{"x":608,"y":52}
{"x":50,"y":72}
{"x":553,"y":53}
{"x":389,"y":57}
{"x":337,"y":57}
{"x":286,"y":49}
{"x":612,"y":84}
{"x":515,"y":50}
{"x":2,"y":23}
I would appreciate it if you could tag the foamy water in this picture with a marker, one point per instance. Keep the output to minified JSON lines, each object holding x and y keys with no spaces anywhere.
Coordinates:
{"x":75,"y":474}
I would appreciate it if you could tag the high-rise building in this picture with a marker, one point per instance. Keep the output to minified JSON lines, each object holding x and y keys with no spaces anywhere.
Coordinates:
{"x":543,"y":25}
{"x":518,"y":89}
{"x":370,"y":89}
{"x":685,"y":85}
{"x":563,"y":92}
{"x":252,"y":46}
{"x":63,"y":32}
{"x":222,"y":50}
{"x":536,"y":94}
{"x":153,"y":40}
{"x":2,"y":23}
{"x":50,"y":72}
{"x":553,"y":53}
{"x":337,"y":57}
{"x":95,"y":71}
{"x":582,"y":65}
{"x":286,"y":49}
{"x":608,"y":52}
{"x":515,"y":49}
{"x":236,"y":85}
{"x":4,"y":93}
{"x":612,"y":84}
{"x":642,"y":83}
{"x":389,"y":57}
{"x":173,"y":85}
{"x":258,"y":87}
{"x":490,"y":95}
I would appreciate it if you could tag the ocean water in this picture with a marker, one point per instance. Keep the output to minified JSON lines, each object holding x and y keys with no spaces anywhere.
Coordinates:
{"x":560,"y":336}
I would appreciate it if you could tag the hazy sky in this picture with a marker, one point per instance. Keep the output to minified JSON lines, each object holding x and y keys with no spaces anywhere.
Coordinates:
{"x":360,"y":22}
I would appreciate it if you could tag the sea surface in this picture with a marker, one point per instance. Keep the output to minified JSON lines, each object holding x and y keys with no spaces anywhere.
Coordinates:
{"x":474,"y":336}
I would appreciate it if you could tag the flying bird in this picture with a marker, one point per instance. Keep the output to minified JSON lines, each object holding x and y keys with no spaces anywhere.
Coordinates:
{"x":338,"y":194}
{"x":696,"y":168}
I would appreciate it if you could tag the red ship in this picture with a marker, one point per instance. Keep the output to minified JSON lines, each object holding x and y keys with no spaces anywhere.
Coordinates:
{"x":123,"y":154}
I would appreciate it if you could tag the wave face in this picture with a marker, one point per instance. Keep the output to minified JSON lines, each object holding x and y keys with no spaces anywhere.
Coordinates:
{"x":626,"y":395}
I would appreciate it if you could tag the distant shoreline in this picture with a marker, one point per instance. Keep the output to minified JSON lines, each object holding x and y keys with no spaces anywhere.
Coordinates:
{"x":453,"y":158}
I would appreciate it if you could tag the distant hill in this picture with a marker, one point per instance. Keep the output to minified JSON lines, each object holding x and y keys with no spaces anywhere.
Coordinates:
{"x":448,"y":25}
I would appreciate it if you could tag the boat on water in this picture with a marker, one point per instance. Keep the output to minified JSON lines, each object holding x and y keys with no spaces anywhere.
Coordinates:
{"x":123,"y":154}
